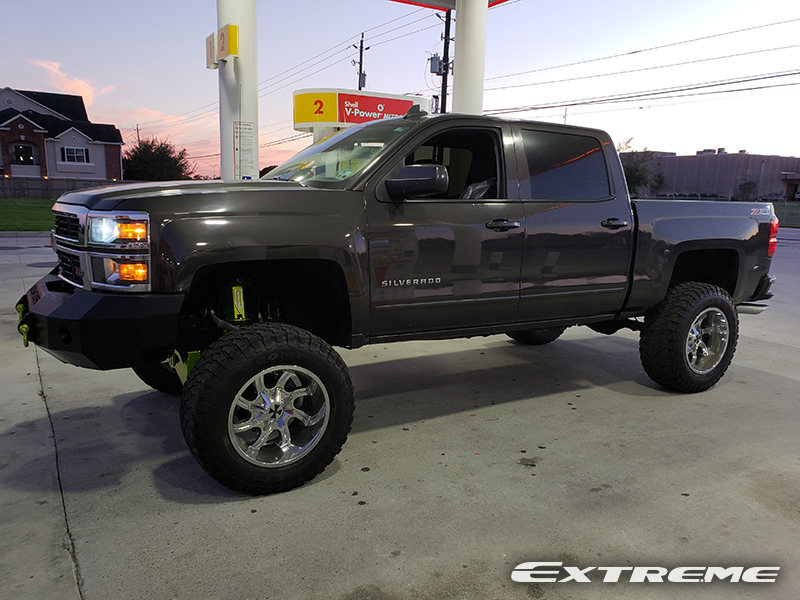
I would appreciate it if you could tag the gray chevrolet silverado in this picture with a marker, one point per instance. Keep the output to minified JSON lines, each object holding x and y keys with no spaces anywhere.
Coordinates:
{"x":234,"y":294}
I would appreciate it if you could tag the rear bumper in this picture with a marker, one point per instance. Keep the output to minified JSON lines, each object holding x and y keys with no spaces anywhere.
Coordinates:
{"x":752,"y":307}
{"x":762,"y":289}
{"x":99,"y":330}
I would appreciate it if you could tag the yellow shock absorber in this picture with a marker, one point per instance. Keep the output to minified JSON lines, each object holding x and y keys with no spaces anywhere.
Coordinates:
{"x":237,"y":293}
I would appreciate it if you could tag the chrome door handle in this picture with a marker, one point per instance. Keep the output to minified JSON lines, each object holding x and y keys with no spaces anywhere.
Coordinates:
{"x":613,"y":223}
{"x":502,"y":224}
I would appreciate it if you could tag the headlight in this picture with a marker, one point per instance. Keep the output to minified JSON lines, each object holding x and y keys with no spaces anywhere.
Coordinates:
{"x":119,"y":250}
{"x":120,"y":271}
{"x":117,"y":230}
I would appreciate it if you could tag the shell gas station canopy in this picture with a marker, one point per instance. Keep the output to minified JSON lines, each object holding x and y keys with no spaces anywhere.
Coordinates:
{"x":443,"y":4}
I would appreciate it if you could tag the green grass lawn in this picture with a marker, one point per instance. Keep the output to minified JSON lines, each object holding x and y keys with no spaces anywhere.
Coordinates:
{"x":25,"y":215}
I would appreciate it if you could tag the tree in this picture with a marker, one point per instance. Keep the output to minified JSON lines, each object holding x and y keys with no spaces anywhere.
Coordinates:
{"x":151,"y":159}
{"x":266,"y":170}
{"x":747,"y":191}
{"x":639,"y":167}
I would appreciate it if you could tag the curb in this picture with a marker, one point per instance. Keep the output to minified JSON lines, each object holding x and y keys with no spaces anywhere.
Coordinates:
{"x":23,"y":234}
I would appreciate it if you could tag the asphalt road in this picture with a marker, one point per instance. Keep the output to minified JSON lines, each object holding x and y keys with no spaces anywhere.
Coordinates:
{"x":467,"y":458}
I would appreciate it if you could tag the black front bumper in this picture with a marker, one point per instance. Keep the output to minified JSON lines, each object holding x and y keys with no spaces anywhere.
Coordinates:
{"x":99,"y":330}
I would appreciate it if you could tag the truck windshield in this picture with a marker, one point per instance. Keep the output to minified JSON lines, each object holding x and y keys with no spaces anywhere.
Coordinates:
{"x":341,"y":156}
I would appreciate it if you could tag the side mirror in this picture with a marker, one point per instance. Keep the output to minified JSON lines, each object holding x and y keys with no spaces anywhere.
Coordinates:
{"x":418,"y":181}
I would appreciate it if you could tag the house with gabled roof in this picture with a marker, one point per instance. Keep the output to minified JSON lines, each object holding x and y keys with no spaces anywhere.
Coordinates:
{"x":47,"y":135}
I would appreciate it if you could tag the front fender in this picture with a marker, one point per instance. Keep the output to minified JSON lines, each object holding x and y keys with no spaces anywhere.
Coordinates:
{"x":189,"y":245}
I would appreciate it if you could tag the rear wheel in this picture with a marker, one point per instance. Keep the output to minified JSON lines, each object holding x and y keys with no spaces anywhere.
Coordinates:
{"x":689,"y":339}
{"x":267,"y":408}
{"x":537,"y":337}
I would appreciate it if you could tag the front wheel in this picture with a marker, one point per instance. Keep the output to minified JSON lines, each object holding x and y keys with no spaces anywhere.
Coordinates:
{"x":267,"y":408}
{"x":689,"y":339}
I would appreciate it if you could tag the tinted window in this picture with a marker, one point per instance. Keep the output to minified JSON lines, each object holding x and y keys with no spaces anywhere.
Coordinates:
{"x":470,"y":156}
{"x":565,"y":167}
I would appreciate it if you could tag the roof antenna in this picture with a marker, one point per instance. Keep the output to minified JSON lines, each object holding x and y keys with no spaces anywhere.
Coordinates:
{"x":415,"y":112}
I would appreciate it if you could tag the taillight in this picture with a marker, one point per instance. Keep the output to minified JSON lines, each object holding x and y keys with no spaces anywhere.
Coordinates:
{"x":773,"y":237}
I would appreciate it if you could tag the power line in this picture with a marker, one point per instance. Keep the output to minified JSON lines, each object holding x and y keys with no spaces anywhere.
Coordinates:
{"x":426,"y":17}
{"x":281,"y":123}
{"x":560,"y":115}
{"x":202,"y":156}
{"x":405,"y":35}
{"x":651,"y":94}
{"x":285,"y":140}
{"x":661,"y":47}
{"x":345,"y":46}
{"x":680,"y":64}
{"x":268,"y":92}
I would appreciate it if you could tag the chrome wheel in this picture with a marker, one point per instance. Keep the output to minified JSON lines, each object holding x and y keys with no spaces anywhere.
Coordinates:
{"x":278,"y":416}
{"x":689,"y":339}
{"x":267,"y":408}
{"x":707,"y":341}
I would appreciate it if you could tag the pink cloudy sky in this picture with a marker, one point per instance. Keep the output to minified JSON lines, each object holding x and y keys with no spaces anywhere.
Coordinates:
{"x":695,"y":74}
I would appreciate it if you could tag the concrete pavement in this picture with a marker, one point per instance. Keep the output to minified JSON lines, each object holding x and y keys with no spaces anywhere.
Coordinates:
{"x":466,"y":458}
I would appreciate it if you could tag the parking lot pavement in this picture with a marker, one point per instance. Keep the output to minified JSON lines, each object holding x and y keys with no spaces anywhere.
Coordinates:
{"x":466,"y":458}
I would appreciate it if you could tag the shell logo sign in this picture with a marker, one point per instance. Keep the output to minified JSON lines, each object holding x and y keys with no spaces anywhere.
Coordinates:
{"x":341,"y":108}
{"x":360,"y":109}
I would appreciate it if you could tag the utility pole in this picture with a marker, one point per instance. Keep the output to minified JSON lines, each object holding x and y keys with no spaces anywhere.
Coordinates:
{"x":446,"y":59}
{"x":362,"y":77}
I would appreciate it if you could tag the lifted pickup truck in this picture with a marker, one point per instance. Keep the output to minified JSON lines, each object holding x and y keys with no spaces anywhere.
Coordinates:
{"x":233,"y":294}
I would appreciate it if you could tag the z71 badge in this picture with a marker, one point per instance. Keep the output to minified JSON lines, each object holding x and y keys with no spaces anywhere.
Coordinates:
{"x":764,"y":212}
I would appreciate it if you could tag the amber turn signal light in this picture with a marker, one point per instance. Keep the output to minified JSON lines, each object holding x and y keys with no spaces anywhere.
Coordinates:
{"x":132,"y":231}
{"x":132,"y":271}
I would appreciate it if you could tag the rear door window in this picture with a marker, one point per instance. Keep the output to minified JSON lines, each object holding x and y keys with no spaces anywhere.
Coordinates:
{"x":565,"y":167}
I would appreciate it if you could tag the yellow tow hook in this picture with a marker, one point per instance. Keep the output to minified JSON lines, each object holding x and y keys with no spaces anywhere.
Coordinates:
{"x":23,"y":329}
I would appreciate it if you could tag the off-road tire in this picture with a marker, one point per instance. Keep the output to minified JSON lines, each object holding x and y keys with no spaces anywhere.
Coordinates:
{"x":688,"y":340}
{"x":224,"y":415}
{"x":160,"y":376}
{"x":537,"y":337}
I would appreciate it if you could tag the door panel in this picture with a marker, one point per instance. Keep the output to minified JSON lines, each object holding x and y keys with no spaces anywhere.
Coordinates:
{"x":454,"y":260}
{"x":579,"y":230}
{"x":436,"y":265}
{"x":573,"y":266}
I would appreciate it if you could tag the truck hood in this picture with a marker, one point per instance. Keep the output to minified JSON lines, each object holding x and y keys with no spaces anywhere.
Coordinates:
{"x":137,"y":195}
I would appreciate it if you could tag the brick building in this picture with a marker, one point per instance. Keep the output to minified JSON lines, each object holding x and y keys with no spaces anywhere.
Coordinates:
{"x":45,"y":135}
{"x":736,"y":175}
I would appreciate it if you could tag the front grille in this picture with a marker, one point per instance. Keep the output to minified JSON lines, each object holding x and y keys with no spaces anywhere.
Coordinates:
{"x":70,"y":267}
{"x":67,"y":225}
